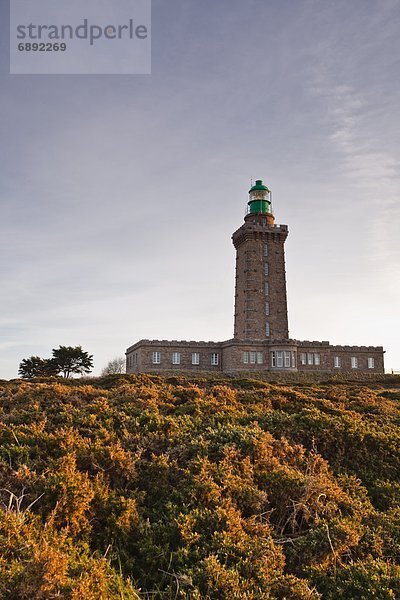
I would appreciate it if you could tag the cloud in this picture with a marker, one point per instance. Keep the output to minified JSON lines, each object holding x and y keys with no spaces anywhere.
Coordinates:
{"x":360,"y":134}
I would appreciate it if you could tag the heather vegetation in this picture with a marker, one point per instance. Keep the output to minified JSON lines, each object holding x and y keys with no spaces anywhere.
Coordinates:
{"x":135,"y":486}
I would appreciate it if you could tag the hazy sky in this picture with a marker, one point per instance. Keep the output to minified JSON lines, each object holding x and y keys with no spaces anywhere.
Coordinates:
{"x":119,"y":194}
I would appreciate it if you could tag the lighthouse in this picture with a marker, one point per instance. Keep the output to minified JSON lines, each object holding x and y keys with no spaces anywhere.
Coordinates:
{"x":260,"y":286}
{"x":261,"y":340}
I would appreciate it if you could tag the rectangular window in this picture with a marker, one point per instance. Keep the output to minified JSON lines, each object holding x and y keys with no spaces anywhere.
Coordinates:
{"x":287,"y":359}
{"x":156,"y":358}
{"x":279,"y":359}
{"x":246,"y":358}
{"x":273,"y":359}
{"x":260,"y":358}
{"x":310,"y":358}
{"x":195,"y":358}
{"x":293,"y":360}
{"x":317,"y":359}
{"x":215,"y":359}
{"x":253,"y":358}
{"x":176,"y":358}
{"x":266,"y":269}
{"x":267,"y":308}
{"x":337,"y":362}
{"x":371,"y":363}
{"x":354,"y":362}
{"x":266,"y":288}
{"x":265,"y":249}
{"x":267,"y":329}
{"x":303,"y":358}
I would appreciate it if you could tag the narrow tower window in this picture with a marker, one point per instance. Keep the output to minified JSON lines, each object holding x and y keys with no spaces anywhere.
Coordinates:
{"x":265,"y":249}
{"x":267,"y":329}
{"x":266,"y":269}
{"x":266,"y":288}
{"x":267,"y":308}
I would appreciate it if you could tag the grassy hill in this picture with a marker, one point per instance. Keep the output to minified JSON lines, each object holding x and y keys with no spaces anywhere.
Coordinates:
{"x":183,"y":488}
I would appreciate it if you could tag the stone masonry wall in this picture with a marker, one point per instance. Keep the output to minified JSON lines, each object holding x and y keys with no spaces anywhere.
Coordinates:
{"x":232,"y":356}
{"x":260,"y":284}
{"x":143,"y":351}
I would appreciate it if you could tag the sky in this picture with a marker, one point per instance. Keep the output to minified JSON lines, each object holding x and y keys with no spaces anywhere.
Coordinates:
{"x":119,"y":193}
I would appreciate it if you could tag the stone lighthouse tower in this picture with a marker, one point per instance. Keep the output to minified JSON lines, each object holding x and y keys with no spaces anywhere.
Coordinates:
{"x":260,"y":294}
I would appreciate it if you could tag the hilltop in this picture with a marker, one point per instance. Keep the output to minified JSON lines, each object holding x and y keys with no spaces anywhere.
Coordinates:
{"x":139,"y":486}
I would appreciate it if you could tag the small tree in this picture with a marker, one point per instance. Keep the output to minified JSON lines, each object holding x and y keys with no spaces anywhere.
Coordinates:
{"x":114,"y":366}
{"x":37,"y":367}
{"x":72,"y":360}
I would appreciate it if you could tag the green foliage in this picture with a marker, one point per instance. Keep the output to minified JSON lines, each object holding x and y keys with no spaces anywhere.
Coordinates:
{"x":72,"y":360}
{"x":360,"y":580}
{"x":67,"y":360}
{"x":37,"y":367}
{"x":199,"y":489}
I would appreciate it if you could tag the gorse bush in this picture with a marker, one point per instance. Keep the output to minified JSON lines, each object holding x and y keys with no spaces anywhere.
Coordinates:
{"x":146,"y":487}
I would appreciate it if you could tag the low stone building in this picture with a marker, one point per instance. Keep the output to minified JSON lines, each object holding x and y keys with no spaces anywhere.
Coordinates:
{"x":261,"y":335}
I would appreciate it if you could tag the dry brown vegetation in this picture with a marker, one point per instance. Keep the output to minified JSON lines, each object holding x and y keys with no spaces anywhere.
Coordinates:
{"x":180,"y":488}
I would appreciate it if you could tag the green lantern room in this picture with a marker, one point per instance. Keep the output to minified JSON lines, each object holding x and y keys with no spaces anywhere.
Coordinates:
{"x":260,"y":199}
